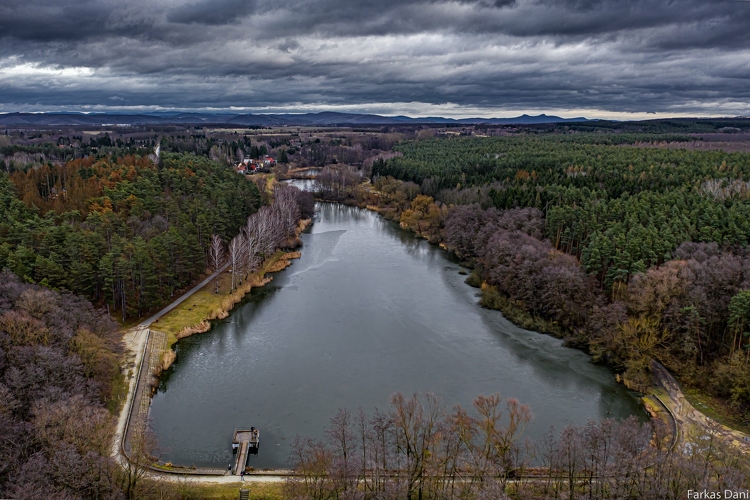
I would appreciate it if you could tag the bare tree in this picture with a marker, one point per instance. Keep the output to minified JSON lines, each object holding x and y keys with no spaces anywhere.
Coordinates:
{"x":382,"y":436}
{"x":252,"y":243}
{"x":270,"y":230}
{"x":216,"y":258}
{"x":236,"y":248}
{"x":142,"y":454}
{"x":263,"y":229}
{"x":285,"y":198}
{"x":342,"y":438}
{"x":313,"y":462}
{"x":276,"y":232}
{"x":416,"y":428}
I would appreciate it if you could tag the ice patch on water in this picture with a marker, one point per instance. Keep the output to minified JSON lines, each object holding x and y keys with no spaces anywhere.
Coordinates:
{"x":318,"y":249}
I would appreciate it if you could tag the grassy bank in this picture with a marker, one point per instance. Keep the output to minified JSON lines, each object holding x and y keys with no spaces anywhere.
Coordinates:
{"x":194,"y":314}
{"x":191,"y":490}
{"x":716,"y":409}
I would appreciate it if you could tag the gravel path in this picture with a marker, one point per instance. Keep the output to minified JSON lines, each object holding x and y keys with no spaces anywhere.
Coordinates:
{"x":135,"y":340}
{"x":686,"y":416}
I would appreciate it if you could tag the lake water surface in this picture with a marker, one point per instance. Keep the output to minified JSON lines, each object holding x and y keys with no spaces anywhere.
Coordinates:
{"x":367,"y":311}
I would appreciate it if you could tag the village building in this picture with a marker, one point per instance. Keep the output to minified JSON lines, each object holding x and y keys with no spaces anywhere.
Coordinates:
{"x":249,"y":166}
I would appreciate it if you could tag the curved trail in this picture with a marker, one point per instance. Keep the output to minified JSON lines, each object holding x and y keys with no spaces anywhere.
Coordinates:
{"x":688,"y":418}
{"x":135,"y":342}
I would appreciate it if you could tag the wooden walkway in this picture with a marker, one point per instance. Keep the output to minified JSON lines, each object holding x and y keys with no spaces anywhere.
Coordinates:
{"x":246,"y":441}
{"x":241,"y":462}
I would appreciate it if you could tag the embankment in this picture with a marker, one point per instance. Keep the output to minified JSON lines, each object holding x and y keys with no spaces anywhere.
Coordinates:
{"x":195,"y":314}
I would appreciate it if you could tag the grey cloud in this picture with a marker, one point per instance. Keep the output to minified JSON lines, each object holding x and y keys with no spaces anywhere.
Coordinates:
{"x":46,"y":21}
{"x":560,"y":19}
{"x":556,"y":18}
{"x":214,"y":12}
{"x":289,"y":45}
{"x":685,"y":55}
{"x":500,"y":4}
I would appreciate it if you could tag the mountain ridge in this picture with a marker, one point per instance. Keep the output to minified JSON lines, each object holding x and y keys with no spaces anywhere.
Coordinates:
{"x":324,"y":118}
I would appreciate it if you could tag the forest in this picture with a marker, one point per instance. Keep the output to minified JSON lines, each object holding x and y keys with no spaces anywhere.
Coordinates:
{"x":121,"y":231}
{"x":627,"y":249}
{"x":630,"y":252}
{"x":59,"y":367}
{"x":126,"y":233}
{"x":419,"y":449}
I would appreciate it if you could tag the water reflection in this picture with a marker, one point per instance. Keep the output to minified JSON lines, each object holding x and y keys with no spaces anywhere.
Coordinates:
{"x":368,"y":310}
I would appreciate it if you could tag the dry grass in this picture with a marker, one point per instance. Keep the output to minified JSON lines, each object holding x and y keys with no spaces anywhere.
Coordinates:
{"x":283,"y":263}
{"x":189,"y":490}
{"x":295,"y":241}
{"x":167,"y":359}
{"x":656,"y":410}
{"x":717,"y":409}
{"x":194,"y":314}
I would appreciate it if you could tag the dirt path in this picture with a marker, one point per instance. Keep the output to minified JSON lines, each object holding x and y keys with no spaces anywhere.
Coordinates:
{"x":135,"y":340}
{"x":689,"y":420}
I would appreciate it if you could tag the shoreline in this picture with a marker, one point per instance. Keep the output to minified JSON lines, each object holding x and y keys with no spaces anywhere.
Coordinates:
{"x":664,"y":388}
{"x":279,"y":261}
{"x":136,"y":343}
{"x":219,"y":306}
{"x":666,"y":398}
{"x":225,"y":302}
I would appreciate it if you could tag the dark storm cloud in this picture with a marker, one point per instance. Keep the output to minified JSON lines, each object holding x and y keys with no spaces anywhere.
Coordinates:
{"x":216,"y":12}
{"x":47,"y":21}
{"x":681,"y":56}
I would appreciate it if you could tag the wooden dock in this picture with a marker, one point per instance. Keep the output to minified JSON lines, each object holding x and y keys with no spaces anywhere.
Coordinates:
{"x":247,"y":443}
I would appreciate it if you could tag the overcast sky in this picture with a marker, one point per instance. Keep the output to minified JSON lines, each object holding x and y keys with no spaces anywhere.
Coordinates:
{"x":597,"y":58}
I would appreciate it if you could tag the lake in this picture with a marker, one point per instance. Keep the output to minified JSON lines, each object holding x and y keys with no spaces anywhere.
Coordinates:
{"x":367,"y":311}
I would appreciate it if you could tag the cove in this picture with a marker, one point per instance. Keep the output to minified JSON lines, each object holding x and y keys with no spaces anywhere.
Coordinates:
{"x":367,"y":311}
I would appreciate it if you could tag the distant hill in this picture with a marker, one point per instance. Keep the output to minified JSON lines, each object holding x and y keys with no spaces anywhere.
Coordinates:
{"x":326,"y":118}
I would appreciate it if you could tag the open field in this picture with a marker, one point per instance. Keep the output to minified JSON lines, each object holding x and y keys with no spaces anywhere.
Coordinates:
{"x":729,"y":143}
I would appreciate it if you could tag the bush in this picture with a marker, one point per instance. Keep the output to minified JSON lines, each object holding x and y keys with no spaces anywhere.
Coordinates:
{"x":475,"y":278}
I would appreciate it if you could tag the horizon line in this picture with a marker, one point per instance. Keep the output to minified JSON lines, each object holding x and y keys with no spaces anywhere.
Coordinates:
{"x":236,"y":112}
